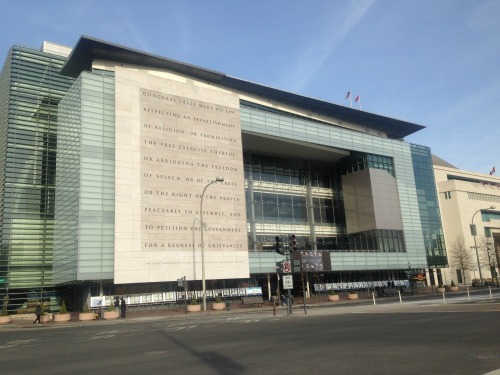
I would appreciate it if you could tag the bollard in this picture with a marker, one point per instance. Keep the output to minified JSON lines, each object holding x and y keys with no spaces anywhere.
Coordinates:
{"x":444,"y":298}
{"x":468,"y":294}
{"x":373,"y":296}
{"x":400,"y":300}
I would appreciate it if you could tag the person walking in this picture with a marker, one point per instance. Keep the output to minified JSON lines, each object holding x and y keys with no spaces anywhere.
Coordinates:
{"x":38,"y":312}
{"x":117,"y":303}
{"x":123,"y":307}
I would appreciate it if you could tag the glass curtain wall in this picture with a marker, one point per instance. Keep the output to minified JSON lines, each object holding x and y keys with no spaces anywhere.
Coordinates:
{"x":429,"y":206}
{"x":304,"y":197}
{"x":31,"y":89}
{"x":291,"y":197}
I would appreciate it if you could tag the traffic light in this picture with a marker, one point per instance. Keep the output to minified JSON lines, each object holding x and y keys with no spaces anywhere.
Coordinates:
{"x":277,"y":245}
{"x":293,"y":243}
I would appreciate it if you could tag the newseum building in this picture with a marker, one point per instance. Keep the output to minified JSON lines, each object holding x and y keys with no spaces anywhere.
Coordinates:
{"x":159,"y":171}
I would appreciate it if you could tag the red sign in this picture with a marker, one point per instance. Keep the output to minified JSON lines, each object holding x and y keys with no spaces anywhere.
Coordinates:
{"x":287,"y":267}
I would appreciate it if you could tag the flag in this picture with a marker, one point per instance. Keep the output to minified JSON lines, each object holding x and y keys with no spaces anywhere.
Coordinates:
{"x":492,"y":171}
{"x":358,"y":100}
{"x":348,"y":96}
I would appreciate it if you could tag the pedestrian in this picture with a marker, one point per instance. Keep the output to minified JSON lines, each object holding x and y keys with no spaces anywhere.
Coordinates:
{"x":38,"y":312}
{"x":117,"y":302}
{"x":123,"y":307}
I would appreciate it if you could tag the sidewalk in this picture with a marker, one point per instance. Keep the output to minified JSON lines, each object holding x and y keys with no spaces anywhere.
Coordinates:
{"x":179,"y":312}
{"x":315,"y":304}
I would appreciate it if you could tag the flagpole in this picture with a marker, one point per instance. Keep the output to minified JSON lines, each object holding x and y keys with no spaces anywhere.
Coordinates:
{"x":348,"y":96}
{"x":358,"y":100}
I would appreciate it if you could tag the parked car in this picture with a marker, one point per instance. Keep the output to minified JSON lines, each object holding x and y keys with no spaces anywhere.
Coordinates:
{"x":481,"y":283}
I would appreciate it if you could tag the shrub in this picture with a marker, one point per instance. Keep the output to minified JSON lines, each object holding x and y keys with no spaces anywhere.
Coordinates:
{"x":63,"y":309}
{"x":86,"y":308}
{"x":4,"y":311}
{"x":332,"y":292}
{"x":194,"y":301}
{"x":111,"y":306}
{"x":452,"y":283}
{"x":218,"y":299}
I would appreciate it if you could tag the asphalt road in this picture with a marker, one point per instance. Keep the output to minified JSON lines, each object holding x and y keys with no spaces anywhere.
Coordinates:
{"x":419,"y":338}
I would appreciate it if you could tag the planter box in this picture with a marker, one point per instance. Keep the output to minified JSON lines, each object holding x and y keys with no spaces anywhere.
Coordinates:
{"x":86,"y":316}
{"x":62,"y":317}
{"x":5,"y":319}
{"x":333,"y":297}
{"x":111,"y":314}
{"x":453,"y":288}
{"x":352,"y":296}
{"x":218,"y":305}
{"x":193,"y":308}
{"x":440,"y":290}
{"x":46,"y":318}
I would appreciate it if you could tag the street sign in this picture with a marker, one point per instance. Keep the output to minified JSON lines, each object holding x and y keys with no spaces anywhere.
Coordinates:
{"x":288,"y":282}
{"x":287,"y":267}
{"x":180,"y":282}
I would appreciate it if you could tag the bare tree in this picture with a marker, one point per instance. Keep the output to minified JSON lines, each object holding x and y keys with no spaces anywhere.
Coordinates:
{"x":487,"y":254}
{"x":461,"y":256}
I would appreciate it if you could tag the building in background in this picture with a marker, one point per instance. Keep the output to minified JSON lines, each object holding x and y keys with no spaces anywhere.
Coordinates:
{"x":148,"y":148}
{"x":470,"y":211}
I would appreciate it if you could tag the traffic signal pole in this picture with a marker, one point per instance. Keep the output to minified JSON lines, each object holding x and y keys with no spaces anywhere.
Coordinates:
{"x":286,"y":245}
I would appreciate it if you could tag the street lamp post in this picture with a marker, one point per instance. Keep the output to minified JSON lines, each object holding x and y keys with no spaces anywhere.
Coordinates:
{"x":203,"y":284}
{"x":474,"y":232}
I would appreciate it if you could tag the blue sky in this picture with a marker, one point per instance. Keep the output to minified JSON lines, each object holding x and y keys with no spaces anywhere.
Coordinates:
{"x":434,"y":63}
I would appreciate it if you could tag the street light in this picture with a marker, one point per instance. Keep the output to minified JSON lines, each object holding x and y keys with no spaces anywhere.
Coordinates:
{"x":474,"y":232}
{"x":204,"y":289}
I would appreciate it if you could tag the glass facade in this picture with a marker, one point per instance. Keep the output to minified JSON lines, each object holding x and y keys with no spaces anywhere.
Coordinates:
{"x":84,"y":220}
{"x":429,"y":207}
{"x":292,"y":196}
{"x":30,"y":89}
{"x":304,"y":197}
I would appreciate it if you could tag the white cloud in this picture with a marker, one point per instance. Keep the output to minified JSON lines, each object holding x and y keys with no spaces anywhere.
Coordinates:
{"x":322,"y":48}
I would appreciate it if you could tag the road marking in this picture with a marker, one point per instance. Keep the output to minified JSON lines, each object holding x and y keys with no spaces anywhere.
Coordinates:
{"x":178,"y":328}
{"x":19,"y":343}
{"x":102,"y":335}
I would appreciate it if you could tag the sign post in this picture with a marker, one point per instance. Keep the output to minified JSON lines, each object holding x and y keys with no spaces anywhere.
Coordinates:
{"x":183,"y":284}
{"x":288,"y":284}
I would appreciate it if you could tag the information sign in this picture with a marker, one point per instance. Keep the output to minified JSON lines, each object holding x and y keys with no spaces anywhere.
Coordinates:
{"x":288,"y":282}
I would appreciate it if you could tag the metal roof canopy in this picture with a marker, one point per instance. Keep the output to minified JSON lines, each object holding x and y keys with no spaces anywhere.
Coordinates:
{"x":88,"y":49}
